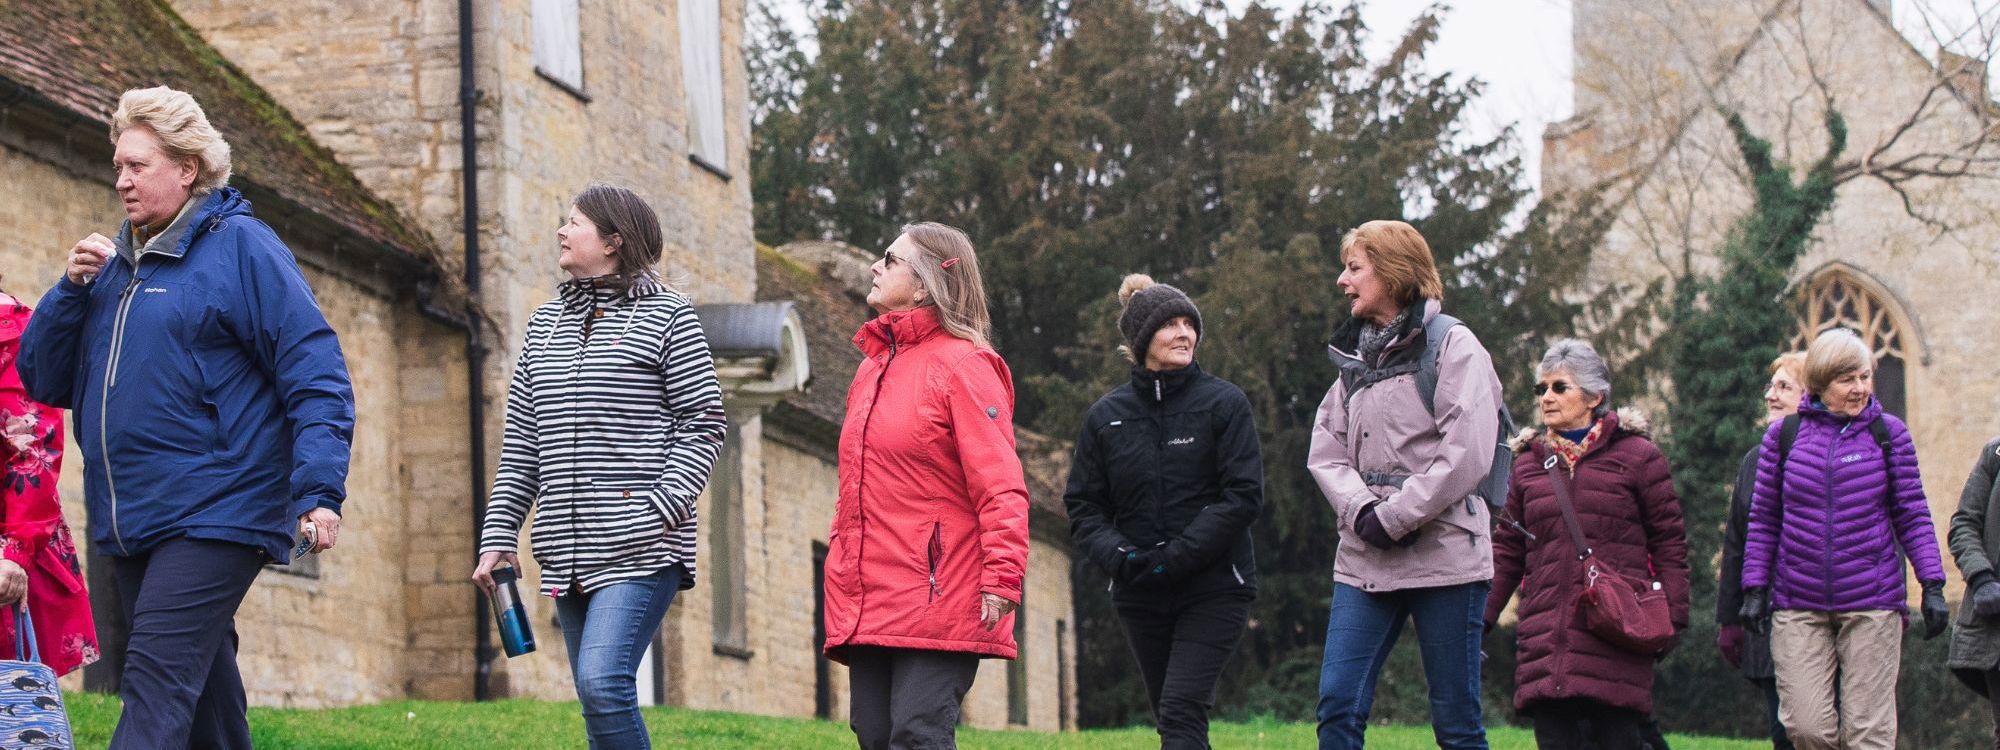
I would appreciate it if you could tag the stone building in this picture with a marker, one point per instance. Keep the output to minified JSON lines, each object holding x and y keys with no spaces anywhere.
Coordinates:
{"x":1914,"y":279}
{"x":346,"y":120}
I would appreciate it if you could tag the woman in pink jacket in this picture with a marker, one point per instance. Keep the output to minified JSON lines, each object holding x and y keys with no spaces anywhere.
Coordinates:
{"x":1401,"y":470}
{"x":930,"y":535}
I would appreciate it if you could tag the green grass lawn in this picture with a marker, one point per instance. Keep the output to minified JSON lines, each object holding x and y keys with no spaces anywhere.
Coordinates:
{"x":533,"y":725}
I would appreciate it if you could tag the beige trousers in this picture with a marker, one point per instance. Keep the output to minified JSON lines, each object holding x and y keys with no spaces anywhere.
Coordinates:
{"x":1864,"y":651}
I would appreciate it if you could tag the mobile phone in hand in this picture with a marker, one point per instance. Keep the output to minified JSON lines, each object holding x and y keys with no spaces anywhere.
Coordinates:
{"x":307,"y":539}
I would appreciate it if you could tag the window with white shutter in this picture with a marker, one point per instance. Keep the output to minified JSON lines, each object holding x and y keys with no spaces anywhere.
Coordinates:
{"x":701,"y":67}
{"x":559,"y":43}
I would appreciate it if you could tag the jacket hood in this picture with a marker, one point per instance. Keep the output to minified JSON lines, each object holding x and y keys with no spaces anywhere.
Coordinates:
{"x":1811,"y":408}
{"x":605,"y":291}
{"x":1158,"y":385}
{"x":898,"y":328}
{"x":1629,"y":420}
{"x":216,"y":205}
{"x":1346,"y":341}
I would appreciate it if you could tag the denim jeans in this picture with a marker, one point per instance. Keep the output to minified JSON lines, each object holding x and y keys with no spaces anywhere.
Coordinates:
{"x":606,"y":632}
{"x":1360,"y":630}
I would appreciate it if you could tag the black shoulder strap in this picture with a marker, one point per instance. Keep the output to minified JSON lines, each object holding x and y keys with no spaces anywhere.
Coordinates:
{"x":1788,"y":433}
{"x":1880,"y":429}
{"x":1427,"y":365}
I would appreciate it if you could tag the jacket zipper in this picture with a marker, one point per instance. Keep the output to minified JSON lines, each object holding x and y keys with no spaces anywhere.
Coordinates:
{"x":936,"y":555}
{"x":860,"y":477}
{"x":104,"y":400}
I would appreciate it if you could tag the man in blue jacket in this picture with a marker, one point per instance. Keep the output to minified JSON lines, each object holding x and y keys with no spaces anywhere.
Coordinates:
{"x":211,"y":403}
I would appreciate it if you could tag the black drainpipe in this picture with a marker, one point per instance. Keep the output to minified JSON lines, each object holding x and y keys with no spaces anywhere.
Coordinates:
{"x":475,"y":353}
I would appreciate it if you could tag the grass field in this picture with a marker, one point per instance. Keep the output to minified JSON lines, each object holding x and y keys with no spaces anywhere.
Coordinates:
{"x":532,"y":725}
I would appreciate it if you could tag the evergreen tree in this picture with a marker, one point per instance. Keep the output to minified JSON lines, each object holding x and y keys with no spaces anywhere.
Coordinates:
{"x":1077,"y":142}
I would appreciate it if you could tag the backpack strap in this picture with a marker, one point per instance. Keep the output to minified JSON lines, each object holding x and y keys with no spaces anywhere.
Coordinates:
{"x":1788,"y":433}
{"x":1427,"y":365}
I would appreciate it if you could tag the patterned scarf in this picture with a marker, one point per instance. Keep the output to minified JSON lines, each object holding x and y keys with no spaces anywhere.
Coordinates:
{"x":1375,"y":338}
{"x":1571,"y":452}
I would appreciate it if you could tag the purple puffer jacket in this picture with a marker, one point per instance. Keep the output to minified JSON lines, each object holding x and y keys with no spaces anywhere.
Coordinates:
{"x":1833,"y":550}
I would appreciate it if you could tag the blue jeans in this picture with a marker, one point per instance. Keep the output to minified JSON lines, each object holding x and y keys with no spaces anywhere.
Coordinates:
{"x":1360,"y":630}
{"x":607,"y":631}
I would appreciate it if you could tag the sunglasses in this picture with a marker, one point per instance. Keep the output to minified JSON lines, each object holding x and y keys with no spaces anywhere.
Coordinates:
{"x":1560,"y":387}
{"x":889,"y":258}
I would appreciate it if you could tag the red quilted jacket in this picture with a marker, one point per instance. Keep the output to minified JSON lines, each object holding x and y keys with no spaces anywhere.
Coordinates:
{"x":1631,"y":518}
{"x":932,"y":509}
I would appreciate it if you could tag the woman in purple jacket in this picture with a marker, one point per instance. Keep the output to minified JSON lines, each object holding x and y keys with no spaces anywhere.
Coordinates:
{"x":1824,"y":525}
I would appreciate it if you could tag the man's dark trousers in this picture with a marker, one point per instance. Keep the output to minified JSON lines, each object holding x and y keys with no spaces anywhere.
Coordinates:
{"x":1182,"y":639}
{"x":180,"y":687}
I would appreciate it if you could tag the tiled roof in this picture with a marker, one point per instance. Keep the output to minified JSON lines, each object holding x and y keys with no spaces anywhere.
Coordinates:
{"x":832,"y":312}
{"x":81,"y":55}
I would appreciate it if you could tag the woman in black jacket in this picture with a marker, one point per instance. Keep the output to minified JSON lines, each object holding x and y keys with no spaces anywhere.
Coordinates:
{"x":1166,"y":480}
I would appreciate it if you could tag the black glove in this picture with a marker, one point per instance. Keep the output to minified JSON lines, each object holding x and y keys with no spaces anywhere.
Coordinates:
{"x":1756,"y":610}
{"x":1986,"y":598}
{"x":1130,"y":565}
{"x":1937,"y":614}
{"x":1370,"y":528}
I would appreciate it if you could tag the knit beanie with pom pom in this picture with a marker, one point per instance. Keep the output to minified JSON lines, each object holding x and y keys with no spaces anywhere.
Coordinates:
{"x":1148,"y":306}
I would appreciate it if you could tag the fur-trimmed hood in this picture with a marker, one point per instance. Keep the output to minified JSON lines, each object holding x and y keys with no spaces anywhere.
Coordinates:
{"x":1631,"y":420}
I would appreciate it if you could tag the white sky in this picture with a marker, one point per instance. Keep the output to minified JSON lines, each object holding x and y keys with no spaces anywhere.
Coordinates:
{"x":1521,"y":49}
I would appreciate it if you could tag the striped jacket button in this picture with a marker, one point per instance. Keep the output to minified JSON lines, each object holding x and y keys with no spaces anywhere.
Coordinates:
{"x":628,"y":494}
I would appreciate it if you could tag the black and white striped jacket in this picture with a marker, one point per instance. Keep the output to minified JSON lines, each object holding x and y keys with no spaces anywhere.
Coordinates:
{"x":614,"y":420}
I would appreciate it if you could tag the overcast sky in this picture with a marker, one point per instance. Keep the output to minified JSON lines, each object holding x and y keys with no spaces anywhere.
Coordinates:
{"x":1521,"y":49}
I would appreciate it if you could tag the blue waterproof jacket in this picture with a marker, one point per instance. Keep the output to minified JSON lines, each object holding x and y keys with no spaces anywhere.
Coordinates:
{"x":209,"y":395}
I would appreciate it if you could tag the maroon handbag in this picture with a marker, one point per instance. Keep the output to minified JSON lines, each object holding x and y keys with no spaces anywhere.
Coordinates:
{"x":1629,"y":614}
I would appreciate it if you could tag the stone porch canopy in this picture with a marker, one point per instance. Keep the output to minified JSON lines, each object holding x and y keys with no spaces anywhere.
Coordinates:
{"x":759,"y":350}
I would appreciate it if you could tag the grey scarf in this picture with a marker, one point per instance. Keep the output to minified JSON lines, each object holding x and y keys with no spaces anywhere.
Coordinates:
{"x":1375,"y":338}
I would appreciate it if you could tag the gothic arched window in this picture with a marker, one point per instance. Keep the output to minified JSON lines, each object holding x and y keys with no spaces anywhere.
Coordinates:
{"x":1838,"y":297}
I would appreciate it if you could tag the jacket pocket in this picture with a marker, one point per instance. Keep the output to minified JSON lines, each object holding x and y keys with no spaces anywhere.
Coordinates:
{"x":935,"y":556}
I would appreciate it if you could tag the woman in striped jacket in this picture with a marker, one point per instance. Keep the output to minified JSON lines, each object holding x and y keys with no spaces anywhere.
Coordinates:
{"x":614,"y":420}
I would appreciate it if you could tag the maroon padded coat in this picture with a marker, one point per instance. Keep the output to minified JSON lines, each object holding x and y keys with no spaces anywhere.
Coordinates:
{"x":1631,"y":518}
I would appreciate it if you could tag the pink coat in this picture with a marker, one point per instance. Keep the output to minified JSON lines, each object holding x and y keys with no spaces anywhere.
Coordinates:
{"x":1385,"y":429}
{"x":32,"y":531}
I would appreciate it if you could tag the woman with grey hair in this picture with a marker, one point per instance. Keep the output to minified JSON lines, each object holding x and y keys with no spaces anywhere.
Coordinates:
{"x":1579,"y":689}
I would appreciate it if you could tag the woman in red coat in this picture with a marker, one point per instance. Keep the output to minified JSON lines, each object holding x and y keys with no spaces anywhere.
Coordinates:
{"x":930,"y":535}
{"x":1580,"y":690}
{"x":38,"y":558}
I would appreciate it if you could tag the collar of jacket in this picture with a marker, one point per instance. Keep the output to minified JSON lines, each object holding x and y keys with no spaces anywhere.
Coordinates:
{"x":13,"y":318}
{"x":903,"y":328}
{"x":1626,"y":420}
{"x":1811,"y":408}
{"x":175,"y":240}
{"x":1346,"y":342}
{"x":605,"y":291}
{"x":1158,"y":385}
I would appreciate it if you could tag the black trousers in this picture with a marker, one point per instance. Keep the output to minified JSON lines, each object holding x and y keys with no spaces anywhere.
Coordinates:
{"x":180,"y":687}
{"x":1182,"y":641}
{"x":906,"y":699}
{"x":1578,"y":723}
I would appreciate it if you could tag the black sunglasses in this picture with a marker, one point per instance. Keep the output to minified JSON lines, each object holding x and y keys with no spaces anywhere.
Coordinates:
{"x":1561,"y":387}
{"x":889,"y":258}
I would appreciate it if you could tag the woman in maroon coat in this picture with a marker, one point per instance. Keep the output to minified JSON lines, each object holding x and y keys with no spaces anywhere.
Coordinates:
{"x":1567,"y":678}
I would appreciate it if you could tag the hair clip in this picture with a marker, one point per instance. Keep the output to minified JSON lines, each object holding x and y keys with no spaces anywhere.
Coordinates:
{"x":948,"y":262}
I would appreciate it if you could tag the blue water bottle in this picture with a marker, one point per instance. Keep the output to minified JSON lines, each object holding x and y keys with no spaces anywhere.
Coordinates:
{"x":516,"y":637}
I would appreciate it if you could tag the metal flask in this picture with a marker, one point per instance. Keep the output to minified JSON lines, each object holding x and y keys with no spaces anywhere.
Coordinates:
{"x":516,"y":636}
